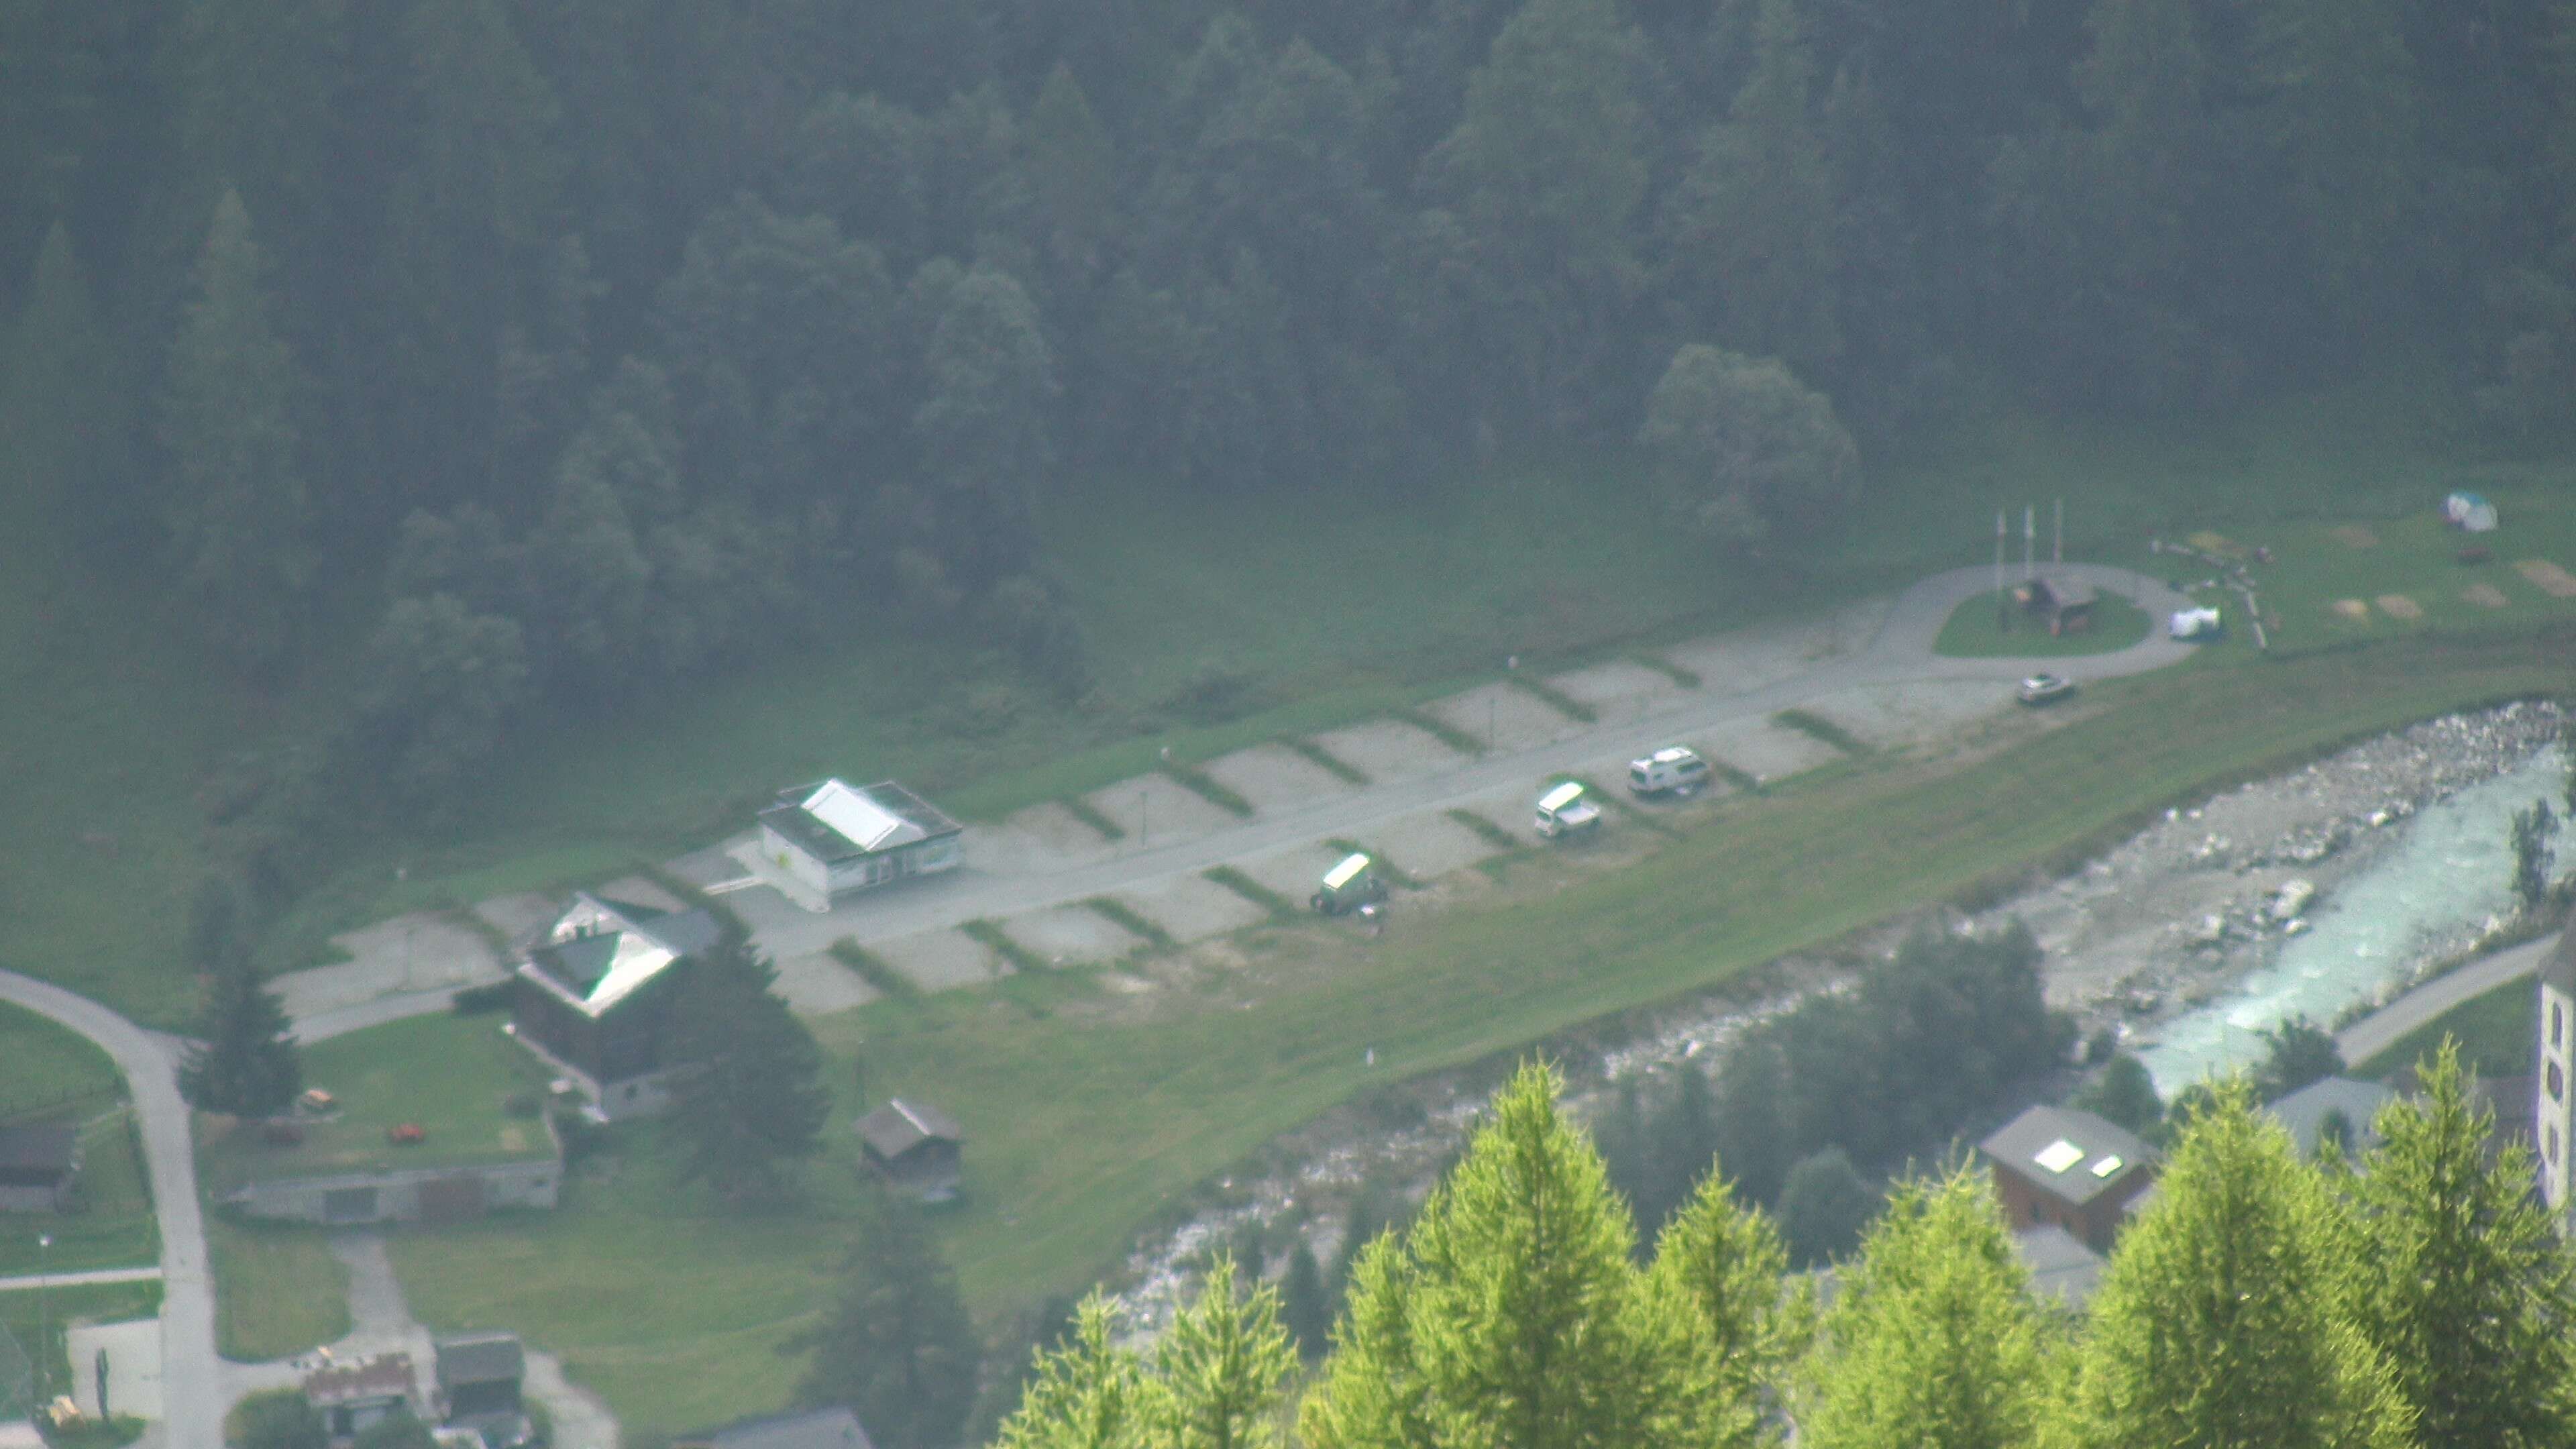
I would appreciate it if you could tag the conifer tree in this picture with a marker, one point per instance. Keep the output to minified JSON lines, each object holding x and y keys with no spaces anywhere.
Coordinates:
{"x":1721,"y":1267}
{"x":898,"y":1349}
{"x":1089,"y":1393}
{"x":1933,"y":1340}
{"x":2470,"y":1290}
{"x":1511,"y":1313}
{"x":1306,"y":1303}
{"x":244,"y":1062}
{"x":58,"y":403}
{"x":1224,"y":1364}
{"x":238,"y":506}
{"x":749,"y":1098}
{"x":2227,"y":1319}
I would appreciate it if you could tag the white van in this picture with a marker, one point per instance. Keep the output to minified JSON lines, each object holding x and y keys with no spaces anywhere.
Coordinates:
{"x":1563,"y":812}
{"x":1673,"y":770}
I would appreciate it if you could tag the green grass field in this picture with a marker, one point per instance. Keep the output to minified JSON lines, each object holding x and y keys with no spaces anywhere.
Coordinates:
{"x":113,"y":1226}
{"x":450,"y":1075}
{"x":44,"y":1066}
{"x":1092,"y":1115}
{"x":278,"y":1290}
{"x":1973,"y":632}
{"x":2496,"y":1032}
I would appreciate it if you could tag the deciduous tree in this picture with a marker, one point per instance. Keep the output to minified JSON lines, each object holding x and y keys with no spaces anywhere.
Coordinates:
{"x":1745,"y":451}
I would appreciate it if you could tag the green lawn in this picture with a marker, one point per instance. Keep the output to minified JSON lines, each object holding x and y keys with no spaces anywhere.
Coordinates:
{"x":49,"y":1067}
{"x":448,"y":1074}
{"x":2495,"y":1031}
{"x":113,"y":1227}
{"x":1092,"y":1115}
{"x":1973,"y":632}
{"x":278,"y":1290}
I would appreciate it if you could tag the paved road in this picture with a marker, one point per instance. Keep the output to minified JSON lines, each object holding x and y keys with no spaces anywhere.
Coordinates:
{"x":1900,"y":653}
{"x":2380,"y":1030}
{"x":189,"y":1378}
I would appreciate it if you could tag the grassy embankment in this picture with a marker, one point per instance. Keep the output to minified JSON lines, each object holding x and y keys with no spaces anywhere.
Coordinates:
{"x":1093,"y":1116}
{"x":2496,"y":1032}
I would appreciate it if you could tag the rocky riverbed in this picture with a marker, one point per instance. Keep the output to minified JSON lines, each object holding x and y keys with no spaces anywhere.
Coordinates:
{"x":2159,"y":924}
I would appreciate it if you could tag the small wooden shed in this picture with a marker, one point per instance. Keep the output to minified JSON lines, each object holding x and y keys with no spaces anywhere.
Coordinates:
{"x":2065,"y":603}
{"x":915,"y":1147}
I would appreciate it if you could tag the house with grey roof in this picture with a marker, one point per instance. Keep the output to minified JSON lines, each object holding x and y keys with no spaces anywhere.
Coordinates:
{"x":38,"y":1167}
{"x":826,"y":841}
{"x":914,"y":1147}
{"x":592,"y":998}
{"x":807,"y":1429}
{"x":2068,"y":1168}
{"x":479,"y":1385}
{"x":2330,"y":1106}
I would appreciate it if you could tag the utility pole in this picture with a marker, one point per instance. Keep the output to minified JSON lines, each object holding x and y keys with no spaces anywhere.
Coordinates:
{"x":2003,"y":620}
{"x":2029,"y":536}
{"x":2057,"y":546}
{"x":44,"y":1319}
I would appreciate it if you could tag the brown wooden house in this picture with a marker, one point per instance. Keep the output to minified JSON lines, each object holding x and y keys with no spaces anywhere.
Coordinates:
{"x":914,"y":1147}
{"x":2056,"y":1165}
{"x":592,"y":998}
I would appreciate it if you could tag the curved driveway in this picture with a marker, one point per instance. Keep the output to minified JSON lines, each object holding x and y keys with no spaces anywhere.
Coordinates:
{"x":190,"y":1388}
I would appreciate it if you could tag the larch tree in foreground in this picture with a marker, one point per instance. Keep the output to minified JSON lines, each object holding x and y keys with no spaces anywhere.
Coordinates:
{"x":2470,"y":1293}
{"x":2227,"y":1319}
{"x":1511,"y":1313}
{"x":1933,"y":1340}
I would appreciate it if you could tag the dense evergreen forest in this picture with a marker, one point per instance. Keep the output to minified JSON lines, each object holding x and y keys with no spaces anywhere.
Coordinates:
{"x":541,"y":355}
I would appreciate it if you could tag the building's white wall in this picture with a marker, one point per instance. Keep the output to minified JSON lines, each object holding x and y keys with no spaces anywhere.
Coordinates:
{"x":794,"y":860}
{"x":637,"y":1097}
{"x":2555,"y":1120}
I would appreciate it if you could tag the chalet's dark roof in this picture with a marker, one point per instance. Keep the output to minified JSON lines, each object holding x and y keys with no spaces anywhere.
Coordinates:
{"x":810,"y":1429}
{"x":2558,"y":968}
{"x":479,"y":1358}
{"x":2059,"y":1263}
{"x":900,"y":1126}
{"x":2072,"y":1155}
{"x":2305,"y":1111}
{"x":39,"y":1149}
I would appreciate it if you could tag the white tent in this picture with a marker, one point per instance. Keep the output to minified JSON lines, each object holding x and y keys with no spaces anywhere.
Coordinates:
{"x":2469,"y":513}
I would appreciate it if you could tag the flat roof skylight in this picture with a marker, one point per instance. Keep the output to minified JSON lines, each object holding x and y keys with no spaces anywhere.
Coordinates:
{"x":2059,"y":1155}
{"x":2107,"y":1166}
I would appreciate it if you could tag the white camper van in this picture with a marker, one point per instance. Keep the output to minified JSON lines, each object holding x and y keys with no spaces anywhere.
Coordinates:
{"x":1674,"y":770}
{"x":1563,"y":813}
